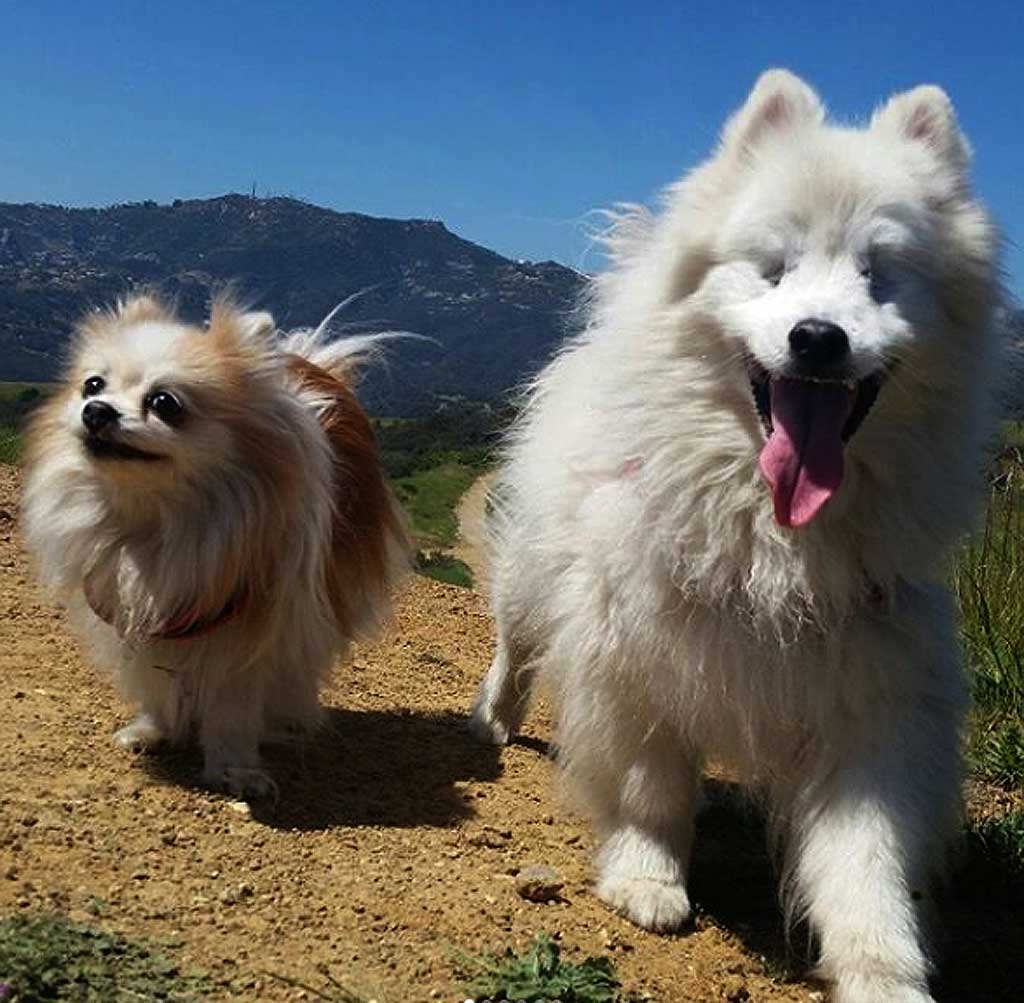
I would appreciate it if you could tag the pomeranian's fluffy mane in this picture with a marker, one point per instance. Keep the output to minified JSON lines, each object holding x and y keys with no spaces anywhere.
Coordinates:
{"x":332,"y":344}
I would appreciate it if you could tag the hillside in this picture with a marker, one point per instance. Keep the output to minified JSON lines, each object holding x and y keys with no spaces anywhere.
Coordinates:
{"x":493,"y":319}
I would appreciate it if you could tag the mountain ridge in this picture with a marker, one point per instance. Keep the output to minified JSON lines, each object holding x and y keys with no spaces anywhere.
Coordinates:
{"x":491,"y":320}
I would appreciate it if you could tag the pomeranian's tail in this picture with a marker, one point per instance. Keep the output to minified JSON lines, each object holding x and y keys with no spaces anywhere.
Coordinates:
{"x":329,"y":347}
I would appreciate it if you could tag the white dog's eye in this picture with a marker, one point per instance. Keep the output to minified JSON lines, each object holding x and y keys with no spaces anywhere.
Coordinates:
{"x":166,"y":407}
{"x":774,"y":272}
{"x":878,"y":278}
{"x":94,"y":385}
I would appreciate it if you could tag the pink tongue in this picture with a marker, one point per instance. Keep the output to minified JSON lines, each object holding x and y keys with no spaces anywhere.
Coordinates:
{"x":803,"y":460}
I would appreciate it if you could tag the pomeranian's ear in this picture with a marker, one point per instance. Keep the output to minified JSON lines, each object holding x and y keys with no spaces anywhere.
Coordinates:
{"x":257,"y":325}
{"x":925,"y":116}
{"x":140,"y":308}
{"x":243,"y":329}
{"x":780,"y":102}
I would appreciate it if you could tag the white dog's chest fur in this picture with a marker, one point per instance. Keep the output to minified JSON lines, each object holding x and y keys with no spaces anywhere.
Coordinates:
{"x":750,"y":688}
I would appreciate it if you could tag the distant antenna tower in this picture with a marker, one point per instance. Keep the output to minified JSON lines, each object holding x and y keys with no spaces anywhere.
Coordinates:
{"x":254,"y":191}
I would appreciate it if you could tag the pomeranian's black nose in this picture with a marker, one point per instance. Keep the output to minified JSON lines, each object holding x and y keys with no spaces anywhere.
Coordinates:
{"x":818,"y":345}
{"x":96,"y":415}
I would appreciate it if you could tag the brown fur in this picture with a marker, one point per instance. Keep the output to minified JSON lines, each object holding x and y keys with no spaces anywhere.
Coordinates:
{"x":364,"y":514}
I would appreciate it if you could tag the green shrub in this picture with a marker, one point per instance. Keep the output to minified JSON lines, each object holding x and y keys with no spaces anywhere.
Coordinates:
{"x":540,"y":975}
{"x":50,"y":959}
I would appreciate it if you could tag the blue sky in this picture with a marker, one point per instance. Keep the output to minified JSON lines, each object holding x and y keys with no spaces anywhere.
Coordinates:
{"x":509,"y":121}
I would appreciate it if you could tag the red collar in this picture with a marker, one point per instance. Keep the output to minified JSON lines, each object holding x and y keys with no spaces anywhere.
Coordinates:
{"x":183,"y":626}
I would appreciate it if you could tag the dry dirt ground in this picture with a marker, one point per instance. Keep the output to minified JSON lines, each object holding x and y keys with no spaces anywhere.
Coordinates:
{"x":396,"y":840}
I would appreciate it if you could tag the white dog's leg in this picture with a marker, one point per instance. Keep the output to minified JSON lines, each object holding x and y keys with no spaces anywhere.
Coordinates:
{"x":865,"y":839}
{"x":230,"y":730}
{"x":646,"y":831}
{"x":503,"y":697}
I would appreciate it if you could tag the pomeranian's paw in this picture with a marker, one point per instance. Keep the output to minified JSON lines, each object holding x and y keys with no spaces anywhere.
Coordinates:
{"x":142,"y":735}
{"x":654,"y":905}
{"x":243,"y":782}
{"x":485,"y":726}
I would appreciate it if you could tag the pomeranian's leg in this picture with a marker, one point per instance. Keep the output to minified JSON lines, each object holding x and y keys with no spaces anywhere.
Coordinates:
{"x":155,"y":692}
{"x":142,"y":735}
{"x":292,"y":699}
{"x":230,"y":728}
{"x":864,"y":841}
{"x":643,"y":791}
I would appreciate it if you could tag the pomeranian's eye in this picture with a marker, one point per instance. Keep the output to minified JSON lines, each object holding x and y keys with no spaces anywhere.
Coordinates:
{"x":774,"y":272}
{"x":94,"y":385}
{"x":166,"y":407}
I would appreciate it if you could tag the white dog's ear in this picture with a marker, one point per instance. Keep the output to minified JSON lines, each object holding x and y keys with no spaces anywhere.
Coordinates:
{"x":779,"y":102}
{"x":925,"y":115}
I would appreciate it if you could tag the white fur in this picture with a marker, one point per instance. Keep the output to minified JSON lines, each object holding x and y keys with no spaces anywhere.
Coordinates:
{"x":638,"y":565}
{"x":191,"y":531}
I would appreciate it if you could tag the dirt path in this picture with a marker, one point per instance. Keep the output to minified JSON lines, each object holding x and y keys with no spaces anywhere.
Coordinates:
{"x":470,"y":513}
{"x":395,"y":842}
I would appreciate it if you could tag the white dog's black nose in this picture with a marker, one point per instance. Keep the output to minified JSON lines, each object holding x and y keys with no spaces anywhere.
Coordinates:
{"x":818,"y":345}
{"x":97,"y":415}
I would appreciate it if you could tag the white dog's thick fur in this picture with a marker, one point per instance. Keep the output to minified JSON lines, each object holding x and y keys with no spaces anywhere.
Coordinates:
{"x":799,"y":631}
{"x":218,"y":546}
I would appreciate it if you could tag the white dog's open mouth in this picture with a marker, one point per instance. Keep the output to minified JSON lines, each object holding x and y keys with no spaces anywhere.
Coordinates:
{"x":808,"y":423}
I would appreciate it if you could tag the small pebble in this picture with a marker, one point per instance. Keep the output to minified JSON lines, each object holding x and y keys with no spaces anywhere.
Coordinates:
{"x":539,"y":883}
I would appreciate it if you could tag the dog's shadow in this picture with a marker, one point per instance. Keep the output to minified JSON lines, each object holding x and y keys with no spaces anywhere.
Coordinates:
{"x":978,"y":928}
{"x":733,"y":882}
{"x":393,"y":768}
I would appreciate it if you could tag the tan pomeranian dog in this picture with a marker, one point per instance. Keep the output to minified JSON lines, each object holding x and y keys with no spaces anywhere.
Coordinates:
{"x":210,"y":505}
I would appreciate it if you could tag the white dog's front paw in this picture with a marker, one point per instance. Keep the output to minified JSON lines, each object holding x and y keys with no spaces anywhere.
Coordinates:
{"x":243,"y":782}
{"x":654,"y":905}
{"x":142,"y":735}
{"x":878,"y":989}
{"x":485,"y":726}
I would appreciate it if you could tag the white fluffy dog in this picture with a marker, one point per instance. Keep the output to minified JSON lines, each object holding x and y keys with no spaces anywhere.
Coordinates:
{"x":723,"y":524}
{"x":209,"y":503}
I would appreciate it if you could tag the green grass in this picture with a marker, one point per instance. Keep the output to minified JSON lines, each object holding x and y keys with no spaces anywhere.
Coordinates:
{"x":11,"y":445}
{"x":989,"y":583}
{"x":51,"y":959}
{"x":541,"y":975}
{"x":444,"y":568}
{"x":429,"y":497}
{"x":14,"y":389}
{"x":993,"y":861}
{"x":1003,"y":837}
{"x":17,"y":401}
